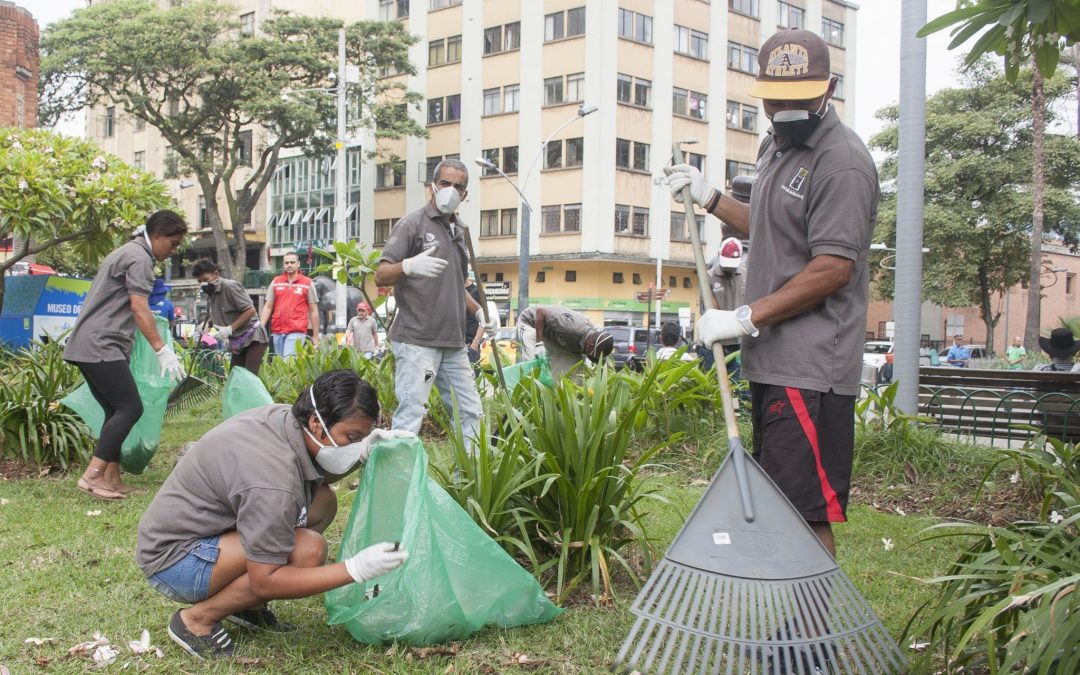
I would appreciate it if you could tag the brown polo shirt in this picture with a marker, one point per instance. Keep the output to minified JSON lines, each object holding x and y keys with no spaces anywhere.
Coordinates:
{"x":430,"y":312}
{"x":251,"y":473}
{"x":817,"y":199}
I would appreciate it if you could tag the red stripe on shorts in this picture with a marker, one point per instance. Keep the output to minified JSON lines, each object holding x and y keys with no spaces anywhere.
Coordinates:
{"x":832,"y":504}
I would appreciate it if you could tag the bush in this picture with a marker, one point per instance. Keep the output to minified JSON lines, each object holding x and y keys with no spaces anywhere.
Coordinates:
{"x":892,"y":446}
{"x":286,"y":378}
{"x":34,"y":426}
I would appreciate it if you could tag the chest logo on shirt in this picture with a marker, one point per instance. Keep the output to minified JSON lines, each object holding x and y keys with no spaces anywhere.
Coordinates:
{"x":301,"y":520}
{"x":795,"y":185}
{"x":429,"y":241}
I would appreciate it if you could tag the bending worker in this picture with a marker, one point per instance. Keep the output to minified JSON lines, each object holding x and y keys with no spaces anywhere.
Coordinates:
{"x":564,"y":335}
{"x":239,"y":521}
{"x":233,"y":315}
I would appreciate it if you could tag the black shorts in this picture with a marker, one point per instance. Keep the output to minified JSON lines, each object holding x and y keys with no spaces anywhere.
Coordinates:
{"x":805,"y":441}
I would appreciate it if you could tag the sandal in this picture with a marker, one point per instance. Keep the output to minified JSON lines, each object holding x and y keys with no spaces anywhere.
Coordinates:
{"x":99,"y":492}
{"x":127,"y":489}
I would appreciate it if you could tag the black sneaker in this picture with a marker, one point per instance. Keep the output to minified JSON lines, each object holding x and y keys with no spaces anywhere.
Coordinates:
{"x":260,"y":619}
{"x":216,"y":644}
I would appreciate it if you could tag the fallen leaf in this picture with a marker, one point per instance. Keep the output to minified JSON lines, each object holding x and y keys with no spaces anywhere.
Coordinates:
{"x":900,"y":511}
{"x":38,"y":641}
{"x":4,"y":670}
{"x":249,"y":662}
{"x":519,"y":659}
{"x":105,"y":655}
{"x":918,"y":646}
{"x":888,"y":544}
{"x":1020,"y":601}
{"x":449,"y":668}
{"x":1056,"y":517}
{"x":42,"y":661}
{"x":142,"y":645}
{"x":94,"y":513}
{"x":44,"y":472}
{"x":4,"y":501}
{"x":438,"y":650}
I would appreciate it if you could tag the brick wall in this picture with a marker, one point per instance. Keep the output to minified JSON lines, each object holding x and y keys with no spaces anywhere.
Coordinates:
{"x":18,"y":66}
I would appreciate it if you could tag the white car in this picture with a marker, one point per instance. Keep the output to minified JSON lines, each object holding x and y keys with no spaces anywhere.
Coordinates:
{"x":874,"y":353}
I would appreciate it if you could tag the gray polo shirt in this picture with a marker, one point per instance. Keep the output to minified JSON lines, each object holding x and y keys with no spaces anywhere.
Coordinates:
{"x":252,"y":474}
{"x":362,"y":331}
{"x":430,"y":312}
{"x":820,"y":199}
{"x":105,"y":330}
{"x":230,"y":301}
{"x":564,"y":328}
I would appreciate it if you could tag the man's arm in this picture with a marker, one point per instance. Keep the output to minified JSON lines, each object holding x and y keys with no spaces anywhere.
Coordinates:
{"x":375,"y":332}
{"x":478,"y":338}
{"x":471,"y":305}
{"x":734,"y":213}
{"x":538,"y":324}
{"x":822,"y":276}
{"x":268,"y":307}
{"x":313,"y":318}
{"x":388,"y":273}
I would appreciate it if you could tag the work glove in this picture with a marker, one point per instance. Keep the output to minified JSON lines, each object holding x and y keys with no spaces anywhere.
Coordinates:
{"x":423,"y":264}
{"x":376,"y":435}
{"x":375,"y":561}
{"x":718,"y":325}
{"x":170,"y":364}
{"x":540,"y":349}
{"x":490,"y":327}
{"x":222,"y":332}
{"x":681,"y":175}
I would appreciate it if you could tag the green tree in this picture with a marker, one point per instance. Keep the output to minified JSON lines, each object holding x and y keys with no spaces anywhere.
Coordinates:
{"x":193,"y":74}
{"x":1020,"y":30}
{"x":57,"y":191}
{"x":978,"y":200}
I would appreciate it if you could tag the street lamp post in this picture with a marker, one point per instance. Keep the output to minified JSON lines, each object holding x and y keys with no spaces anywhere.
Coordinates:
{"x":526,"y":209}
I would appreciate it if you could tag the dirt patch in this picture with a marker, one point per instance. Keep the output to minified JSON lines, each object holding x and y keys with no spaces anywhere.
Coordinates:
{"x":1004,"y":505}
{"x":11,"y":469}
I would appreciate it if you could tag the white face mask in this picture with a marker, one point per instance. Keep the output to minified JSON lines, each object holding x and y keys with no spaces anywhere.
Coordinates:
{"x":447,"y":200}
{"x":335,"y":459}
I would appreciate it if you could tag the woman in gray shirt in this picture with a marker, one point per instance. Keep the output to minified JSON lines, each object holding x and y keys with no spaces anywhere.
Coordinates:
{"x":233,"y":315}
{"x":100,"y":343}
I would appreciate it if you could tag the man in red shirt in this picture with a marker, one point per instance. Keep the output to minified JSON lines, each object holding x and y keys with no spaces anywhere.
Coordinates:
{"x":291,"y":304}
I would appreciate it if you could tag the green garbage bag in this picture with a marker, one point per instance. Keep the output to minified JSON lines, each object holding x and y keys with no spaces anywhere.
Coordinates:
{"x":142,"y":441}
{"x":537,"y":368}
{"x":243,"y":391}
{"x":456,"y":580}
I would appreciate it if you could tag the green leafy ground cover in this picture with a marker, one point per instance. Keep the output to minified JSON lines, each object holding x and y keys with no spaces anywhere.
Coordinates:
{"x":67,"y":571}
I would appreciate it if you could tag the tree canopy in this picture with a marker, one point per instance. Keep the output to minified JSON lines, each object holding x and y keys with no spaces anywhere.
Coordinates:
{"x":978,"y":199}
{"x":217,"y":92}
{"x":57,"y":191}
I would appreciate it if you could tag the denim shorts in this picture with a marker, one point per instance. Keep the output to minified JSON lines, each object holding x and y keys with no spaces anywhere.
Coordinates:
{"x":188,"y":580}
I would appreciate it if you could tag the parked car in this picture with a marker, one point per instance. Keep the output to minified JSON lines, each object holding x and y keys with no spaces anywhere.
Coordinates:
{"x":632,"y":345}
{"x":979,"y":357}
{"x":875,"y":353}
{"x":506,"y":339}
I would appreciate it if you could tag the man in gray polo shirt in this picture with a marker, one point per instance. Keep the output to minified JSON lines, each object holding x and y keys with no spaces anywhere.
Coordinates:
{"x":810,"y":221}
{"x":426,"y":261}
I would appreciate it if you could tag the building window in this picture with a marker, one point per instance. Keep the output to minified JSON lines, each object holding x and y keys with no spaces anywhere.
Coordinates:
{"x":838,"y":92}
{"x":575,"y":21}
{"x":172,"y":162}
{"x":554,"y":28}
{"x":553,"y":155}
{"x":575,"y":87}
{"x":139,"y":161}
{"x":511,"y":98}
{"x":639,"y":222}
{"x":747,"y":7}
{"x":571,"y":275}
{"x":673,"y":282}
{"x":242,"y":199}
{"x":492,"y":98}
{"x":643,"y":93}
{"x":244,"y":149}
{"x":637,"y":278}
{"x":622,"y":153}
{"x":453,"y":49}
{"x":695,"y":160}
{"x":641,"y":156}
{"x":204,"y":216}
{"x":742,"y":116}
{"x":386,"y":175}
{"x":742,"y":58}
{"x":679,"y":231}
{"x":247,"y":23}
{"x":110,"y":121}
{"x":553,"y":90}
{"x":493,"y":40}
{"x":832,"y":31}
{"x":429,"y":168}
{"x":691,"y":43}
{"x":512,"y":36}
{"x":617,"y":278}
{"x":735,"y":168}
{"x":634,"y":26}
{"x":790,"y":16}
{"x":436,"y":52}
{"x":446,"y":109}
{"x":509,"y":222}
{"x":561,"y":218}
{"x":492,"y":156}
{"x":510,"y":159}
{"x":439,"y":4}
{"x":502,"y":38}
{"x":559,"y":24}
{"x":633,"y":91}
{"x":698,"y":106}
{"x":622,"y":219}
{"x":489,"y":223}
{"x":575,"y":151}
{"x":393,"y":9}
{"x":552,"y":219}
{"x":572,"y":218}
{"x":624,"y":86}
{"x":382,"y":230}
{"x":540,"y":277}
{"x":140,"y":124}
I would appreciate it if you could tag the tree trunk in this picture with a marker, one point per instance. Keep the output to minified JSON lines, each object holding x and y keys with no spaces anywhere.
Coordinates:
{"x":1038,"y":126}
{"x":1076,"y":65}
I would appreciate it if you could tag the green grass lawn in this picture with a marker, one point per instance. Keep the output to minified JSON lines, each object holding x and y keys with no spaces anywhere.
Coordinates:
{"x":65,"y":574}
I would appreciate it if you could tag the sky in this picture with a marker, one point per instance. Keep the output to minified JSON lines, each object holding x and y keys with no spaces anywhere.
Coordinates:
{"x":877,"y":52}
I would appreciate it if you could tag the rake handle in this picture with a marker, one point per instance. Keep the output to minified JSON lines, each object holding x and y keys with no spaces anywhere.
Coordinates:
{"x":735,"y":445}
{"x":484,"y":305}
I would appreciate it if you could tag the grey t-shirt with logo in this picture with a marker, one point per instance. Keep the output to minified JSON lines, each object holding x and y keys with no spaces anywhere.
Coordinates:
{"x":430,"y":312}
{"x":252,"y":474}
{"x":230,"y":301}
{"x":820,"y":199}
{"x":564,"y":328}
{"x":105,"y":330}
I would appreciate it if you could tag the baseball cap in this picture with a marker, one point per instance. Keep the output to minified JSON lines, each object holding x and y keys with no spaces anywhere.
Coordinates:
{"x":730,"y":253}
{"x":793,"y":65}
{"x":602,"y":346}
{"x":363,"y":306}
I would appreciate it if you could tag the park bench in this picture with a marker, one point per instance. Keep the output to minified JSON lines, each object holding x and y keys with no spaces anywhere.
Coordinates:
{"x":991,"y":403}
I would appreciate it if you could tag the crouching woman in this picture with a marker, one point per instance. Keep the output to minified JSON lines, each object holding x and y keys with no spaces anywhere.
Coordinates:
{"x":240,"y":519}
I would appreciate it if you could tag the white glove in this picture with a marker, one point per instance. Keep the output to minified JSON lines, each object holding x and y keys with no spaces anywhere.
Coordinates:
{"x":170,"y":364}
{"x":222,"y":332}
{"x":681,"y":175}
{"x":423,"y":265}
{"x":490,"y":327}
{"x":718,"y":325}
{"x":375,"y":561}
{"x":376,"y":435}
{"x":540,"y":349}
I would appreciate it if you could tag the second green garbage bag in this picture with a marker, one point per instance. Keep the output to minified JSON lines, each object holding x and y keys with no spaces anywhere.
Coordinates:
{"x":456,"y":580}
